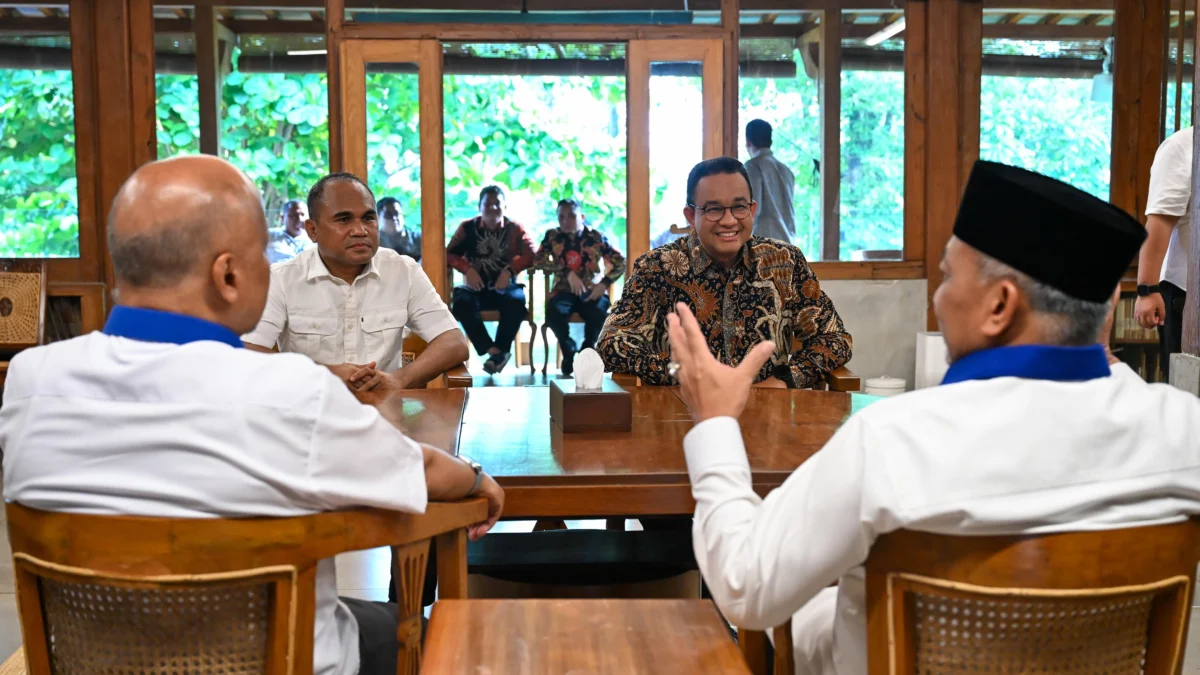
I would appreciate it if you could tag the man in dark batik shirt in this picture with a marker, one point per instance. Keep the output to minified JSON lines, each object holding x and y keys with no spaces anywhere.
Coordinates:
{"x":743,"y":290}
{"x":392,"y":232}
{"x":490,"y":250}
{"x":573,"y":253}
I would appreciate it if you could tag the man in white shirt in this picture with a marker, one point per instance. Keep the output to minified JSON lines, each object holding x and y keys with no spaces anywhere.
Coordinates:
{"x":290,"y":239}
{"x":772,"y":183}
{"x":163,"y":414}
{"x":1163,"y":262}
{"x":1028,"y":433}
{"x":346,"y":302}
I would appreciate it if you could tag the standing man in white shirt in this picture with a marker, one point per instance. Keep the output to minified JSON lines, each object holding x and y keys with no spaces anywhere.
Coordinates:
{"x":1162,"y":264}
{"x":772,"y":182}
{"x":346,"y":302}
{"x":1028,"y":433}
{"x":290,"y":239}
{"x":164,"y":414}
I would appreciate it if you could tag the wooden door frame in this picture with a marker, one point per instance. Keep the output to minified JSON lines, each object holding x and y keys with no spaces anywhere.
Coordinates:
{"x":353,"y":57}
{"x":638,"y":56}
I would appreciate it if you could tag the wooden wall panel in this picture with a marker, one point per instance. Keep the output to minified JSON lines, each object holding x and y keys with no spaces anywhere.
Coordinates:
{"x":830,"y":82}
{"x":335,"y":12}
{"x":637,"y":151}
{"x":1141,"y":27}
{"x":730,"y":19}
{"x":1191,"y":312}
{"x":916,"y":111}
{"x":208,"y":78}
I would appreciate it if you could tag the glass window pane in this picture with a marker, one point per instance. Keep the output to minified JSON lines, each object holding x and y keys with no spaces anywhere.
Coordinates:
{"x":676,"y":143}
{"x":177,"y":94}
{"x":1042,"y":108}
{"x":1185,"y":119}
{"x":775,"y":87}
{"x":394,"y":153}
{"x":39,"y":212}
{"x":871,"y":203}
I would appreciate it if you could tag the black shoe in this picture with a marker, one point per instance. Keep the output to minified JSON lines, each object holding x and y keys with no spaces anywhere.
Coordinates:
{"x":568,"y":364}
{"x":496,"y":363}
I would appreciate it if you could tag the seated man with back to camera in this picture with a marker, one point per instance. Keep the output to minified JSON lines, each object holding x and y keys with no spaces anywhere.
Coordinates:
{"x":346,"y":302}
{"x":572,"y":252}
{"x":744,"y":289}
{"x":1031,"y":431}
{"x":490,"y":250}
{"x":163,"y":414}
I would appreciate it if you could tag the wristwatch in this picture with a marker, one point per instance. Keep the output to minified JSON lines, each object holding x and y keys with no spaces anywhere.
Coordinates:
{"x":478,"y":469}
{"x":1143,"y":290}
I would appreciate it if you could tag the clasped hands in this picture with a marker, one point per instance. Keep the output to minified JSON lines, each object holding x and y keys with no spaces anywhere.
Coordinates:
{"x":708,"y":387}
{"x":366,"y":377}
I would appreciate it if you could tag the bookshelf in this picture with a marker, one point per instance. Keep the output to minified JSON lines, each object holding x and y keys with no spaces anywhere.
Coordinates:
{"x":1136,"y":346}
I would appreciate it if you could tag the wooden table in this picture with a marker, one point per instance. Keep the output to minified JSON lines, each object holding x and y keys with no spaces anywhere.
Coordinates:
{"x":548,"y":474}
{"x":551,"y":637}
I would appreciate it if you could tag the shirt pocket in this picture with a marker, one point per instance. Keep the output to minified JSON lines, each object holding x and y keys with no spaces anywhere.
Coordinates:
{"x":383,"y":332}
{"x":317,"y":337}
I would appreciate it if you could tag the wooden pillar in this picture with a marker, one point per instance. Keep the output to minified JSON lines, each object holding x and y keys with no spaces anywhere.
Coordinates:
{"x":208,"y":78}
{"x":830,"y":83}
{"x":942,"y":119}
{"x":113,"y":71}
{"x":1138,"y":68}
{"x":1191,"y":312}
{"x":335,"y":14}
{"x":730,"y":21}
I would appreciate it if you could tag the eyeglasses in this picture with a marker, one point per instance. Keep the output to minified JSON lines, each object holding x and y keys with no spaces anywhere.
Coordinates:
{"x":714,"y":214}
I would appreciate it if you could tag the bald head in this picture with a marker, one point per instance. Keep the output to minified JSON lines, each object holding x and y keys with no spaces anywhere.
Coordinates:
{"x":172,"y":216}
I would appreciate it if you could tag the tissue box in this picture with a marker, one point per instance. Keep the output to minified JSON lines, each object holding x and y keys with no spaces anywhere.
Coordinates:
{"x":609,"y":408}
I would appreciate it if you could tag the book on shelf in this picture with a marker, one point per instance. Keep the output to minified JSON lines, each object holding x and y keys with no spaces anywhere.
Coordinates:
{"x":1125,"y":325}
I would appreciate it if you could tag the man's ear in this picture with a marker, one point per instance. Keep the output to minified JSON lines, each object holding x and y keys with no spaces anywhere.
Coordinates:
{"x":310,"y":228}
{"x":689,"y":213}
{"x":225,"y":277}
{"x":1003,"y":303}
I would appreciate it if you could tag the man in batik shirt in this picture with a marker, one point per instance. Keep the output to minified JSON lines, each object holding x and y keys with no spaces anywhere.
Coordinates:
{"x":743,"y":290}
{"x":573,"y":253}
{"x":490,"y":250}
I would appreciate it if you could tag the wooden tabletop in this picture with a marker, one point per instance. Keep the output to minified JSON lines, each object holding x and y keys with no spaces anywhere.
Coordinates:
{"x":548,"y":473}
{"x":583,"y":637}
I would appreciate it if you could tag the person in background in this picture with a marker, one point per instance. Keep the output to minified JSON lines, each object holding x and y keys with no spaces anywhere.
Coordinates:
{"x":1030,"y":432}
{"x":346,"y":302}
{"x":163,"y":414}
{"x":772,"y":184}
{"x":290,"y":239}
{"x":1163,"y":262}
{"x":744,"y":288}
{"x":392,"y":232}
{"x":572,"y":252}
{"x":490,"y":250}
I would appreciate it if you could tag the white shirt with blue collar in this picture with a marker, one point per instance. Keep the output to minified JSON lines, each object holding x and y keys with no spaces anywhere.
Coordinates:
{"x":165,"y":415}
{"x":1017,"y":440}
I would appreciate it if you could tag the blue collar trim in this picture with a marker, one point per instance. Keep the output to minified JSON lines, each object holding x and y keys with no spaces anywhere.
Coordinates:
{"x":151,"y":325}
{"x":1032,"y":362}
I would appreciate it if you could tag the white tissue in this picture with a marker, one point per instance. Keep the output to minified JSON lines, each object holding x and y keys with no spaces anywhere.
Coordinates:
{"x":932,"y":359}
{"x":589,"y":370}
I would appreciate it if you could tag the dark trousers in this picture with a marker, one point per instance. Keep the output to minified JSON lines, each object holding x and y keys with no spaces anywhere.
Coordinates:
{"x":377,"y":644}
{"x":1170,"y":334}
{"x":467,"y":304}
{"x":560,"y":308}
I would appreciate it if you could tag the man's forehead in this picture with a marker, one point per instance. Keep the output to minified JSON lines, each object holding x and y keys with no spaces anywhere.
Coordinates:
{"x":345,"y":195}
{"x":722,"y":188}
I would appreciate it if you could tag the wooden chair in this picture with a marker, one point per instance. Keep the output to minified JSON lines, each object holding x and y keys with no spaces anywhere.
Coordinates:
{"x":456,"y":377}
{"x":1114,"y":601}
{"x":22,"y":308}
{"x":574,"y":318}
{"x":135,"y":594}
{"x":493,"y":316}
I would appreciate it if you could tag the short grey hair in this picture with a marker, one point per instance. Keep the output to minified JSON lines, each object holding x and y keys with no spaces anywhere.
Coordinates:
{"x":162,"y":258}
{"x":1068,"y":321}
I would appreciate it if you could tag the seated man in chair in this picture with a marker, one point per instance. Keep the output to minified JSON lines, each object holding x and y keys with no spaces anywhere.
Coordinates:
{"x":744,"y":289}
{"x":346,"y":302}
{"x":1029,"y":433}
{"x":163,"y":414}
{"x":573,"y":252}
{"x":490,"y":250}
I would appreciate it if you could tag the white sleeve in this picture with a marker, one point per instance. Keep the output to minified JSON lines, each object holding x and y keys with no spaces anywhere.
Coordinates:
{"x":428,"y":316}
{"x":1171,"y":178}
{"x":274,"y":317}
{"x":358,"y":458}
{"x":763,"y":559}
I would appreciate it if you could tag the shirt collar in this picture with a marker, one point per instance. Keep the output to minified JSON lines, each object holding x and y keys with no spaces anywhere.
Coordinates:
{"x":318,"y":270}
{"x":700,"y":259}
{"x":1032,"y":362}
{"x":152,"y":325}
